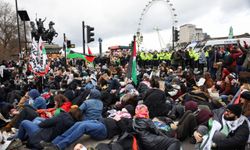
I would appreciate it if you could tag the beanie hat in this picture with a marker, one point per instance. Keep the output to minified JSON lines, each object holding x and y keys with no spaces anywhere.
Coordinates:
{"x":191,"y":105}
{"x":34,"y":93}
{"x":246,"y":95}
{"x":129,"y":87}
{"x":69,"y":94}
{"x":203,"y":130}
{"x":235,"y":109}
{"x":203,"y":116}
{"x":141,"y":111}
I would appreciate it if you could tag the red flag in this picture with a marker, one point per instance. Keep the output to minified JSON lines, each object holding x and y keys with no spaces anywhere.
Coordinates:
{"x":89,"y":51}
{"x":89,"y":58}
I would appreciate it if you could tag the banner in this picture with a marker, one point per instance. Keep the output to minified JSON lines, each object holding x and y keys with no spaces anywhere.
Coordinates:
{"x":38,"y":59}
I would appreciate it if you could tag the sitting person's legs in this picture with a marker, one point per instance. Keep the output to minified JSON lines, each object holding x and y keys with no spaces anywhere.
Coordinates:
{"x":26,"y":128}
{"x":93,"y":128}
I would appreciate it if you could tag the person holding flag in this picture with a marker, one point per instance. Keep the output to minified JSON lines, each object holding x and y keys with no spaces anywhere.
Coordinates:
{"x":132,"y":71}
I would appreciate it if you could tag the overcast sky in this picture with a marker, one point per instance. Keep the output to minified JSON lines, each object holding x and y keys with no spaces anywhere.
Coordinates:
{"x":116,"y":21}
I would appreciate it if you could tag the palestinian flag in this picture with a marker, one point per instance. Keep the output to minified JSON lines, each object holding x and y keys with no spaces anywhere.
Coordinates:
{"x":87,"y":58}
{"x":89,"y":51}
{"x":132,"y":72}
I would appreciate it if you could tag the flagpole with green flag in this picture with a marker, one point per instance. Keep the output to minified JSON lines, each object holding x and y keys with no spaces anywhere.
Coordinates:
{"x":134,"y":71}
{"x":131,"y":70}
{"x":73,"y":55}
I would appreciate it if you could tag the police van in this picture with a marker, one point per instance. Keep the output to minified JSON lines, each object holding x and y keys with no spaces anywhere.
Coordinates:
{"x":223,"y":42}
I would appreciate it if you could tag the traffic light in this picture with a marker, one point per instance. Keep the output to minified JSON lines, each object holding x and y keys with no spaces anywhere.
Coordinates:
{"x":72,"y":46}
{"x":176,"y":35}
{"x":90,"y":34}
{"x":68,"y":44}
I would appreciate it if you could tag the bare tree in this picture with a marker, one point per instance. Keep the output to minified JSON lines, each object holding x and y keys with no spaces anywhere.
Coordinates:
{"x":8,"y":27}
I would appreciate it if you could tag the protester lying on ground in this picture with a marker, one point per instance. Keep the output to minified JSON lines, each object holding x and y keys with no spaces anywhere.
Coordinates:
{"x":105,"y":128}
{"x":29,"y":104}
{"x":47,"y":130}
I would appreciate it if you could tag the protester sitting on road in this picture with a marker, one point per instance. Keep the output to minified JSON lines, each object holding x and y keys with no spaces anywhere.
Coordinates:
{"x":229,"y":130}
{"x":30,"y":103}
{"x":192,"y":117}
{"x":93,"y":106}
{"x":148,"y":136}
{"x":105,"y":128}
{"x":62,"y":104}
{"x":47,"y":130}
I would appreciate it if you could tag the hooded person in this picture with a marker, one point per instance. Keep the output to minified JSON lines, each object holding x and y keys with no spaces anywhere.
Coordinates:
{"x":35,"y":100}
{"x":29,"y":104}
{"x":147,"y":134}
{"x":93,"y":106}
{"x":100,"y":129}
{"x":155,"y":100}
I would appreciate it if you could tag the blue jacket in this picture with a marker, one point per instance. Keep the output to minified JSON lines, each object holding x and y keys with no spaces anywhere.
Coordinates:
{"x":36,"y":101}
{"x":92,"y":108}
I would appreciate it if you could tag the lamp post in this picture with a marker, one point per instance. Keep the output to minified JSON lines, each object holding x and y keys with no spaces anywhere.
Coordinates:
{"x":24,"y":17}
{"x":100,"y":46}
{"x":18,"y":30}
{"x":83,"y":37}
{"x":139,"y":39}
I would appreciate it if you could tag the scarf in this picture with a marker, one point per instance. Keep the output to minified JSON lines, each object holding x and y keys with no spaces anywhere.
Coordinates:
{"x":141,"y":111}
{"x":226,"y":127}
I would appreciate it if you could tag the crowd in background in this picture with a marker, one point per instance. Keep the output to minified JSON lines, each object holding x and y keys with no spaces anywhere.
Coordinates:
{"x":173,"y":101}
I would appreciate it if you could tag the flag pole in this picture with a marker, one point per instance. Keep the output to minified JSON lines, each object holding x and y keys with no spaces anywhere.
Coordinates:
{"x":64,"y":48}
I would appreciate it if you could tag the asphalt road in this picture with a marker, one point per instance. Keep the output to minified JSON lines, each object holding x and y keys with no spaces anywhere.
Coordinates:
{"x":88,"y":142}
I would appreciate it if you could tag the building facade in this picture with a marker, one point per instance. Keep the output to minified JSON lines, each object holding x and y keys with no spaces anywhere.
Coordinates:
{"x":189,"y":33}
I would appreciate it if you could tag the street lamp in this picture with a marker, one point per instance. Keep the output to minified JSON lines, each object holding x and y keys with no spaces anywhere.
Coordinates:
{"x":139,"y":39}
{"x":24,"y":17}
{"x":100,"y":46}
{"x":18,"y":30}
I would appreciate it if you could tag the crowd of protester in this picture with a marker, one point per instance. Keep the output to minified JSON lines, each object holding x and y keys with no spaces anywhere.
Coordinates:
{"x":171,"y":102}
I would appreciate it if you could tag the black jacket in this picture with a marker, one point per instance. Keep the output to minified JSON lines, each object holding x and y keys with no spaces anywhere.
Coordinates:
{"x":155,"y":100}
{"x":149,"y":137}
{"x":235,"y":140}
{"x":51,"y":128}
